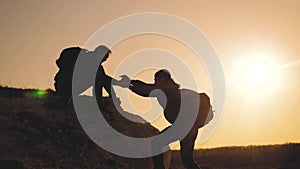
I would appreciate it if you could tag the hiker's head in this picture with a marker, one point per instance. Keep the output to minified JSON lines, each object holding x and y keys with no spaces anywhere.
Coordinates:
{"x":102,"y":51}
{"x":162,"y":76}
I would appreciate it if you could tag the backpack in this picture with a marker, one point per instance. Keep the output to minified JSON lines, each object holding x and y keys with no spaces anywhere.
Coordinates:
{"x":63,"y":78}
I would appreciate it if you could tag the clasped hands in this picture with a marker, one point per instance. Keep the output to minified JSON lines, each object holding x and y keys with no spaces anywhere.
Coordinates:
{"x":124,"y":82}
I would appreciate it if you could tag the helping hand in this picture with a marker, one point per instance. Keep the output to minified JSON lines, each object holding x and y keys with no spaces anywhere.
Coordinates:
{"x":124,"y":82}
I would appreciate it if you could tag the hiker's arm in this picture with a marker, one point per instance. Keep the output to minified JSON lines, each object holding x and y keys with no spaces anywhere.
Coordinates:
{"x":111,"y":81}
{"x":137,"y":86}
{"x":103,"y":80}
{"x":141,"y":88}
{"x":107,"y":82}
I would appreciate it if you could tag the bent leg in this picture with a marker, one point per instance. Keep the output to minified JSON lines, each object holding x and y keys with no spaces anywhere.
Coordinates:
{"x":187,"y":149}
{"x":158,"y":160}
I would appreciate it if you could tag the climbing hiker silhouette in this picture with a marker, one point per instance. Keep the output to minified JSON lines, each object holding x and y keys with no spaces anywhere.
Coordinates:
{"x":89,"y":59}
{"x":170,"y":98}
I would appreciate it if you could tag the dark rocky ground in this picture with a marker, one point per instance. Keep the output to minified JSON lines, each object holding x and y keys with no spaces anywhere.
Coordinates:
{"x":37,"y":131}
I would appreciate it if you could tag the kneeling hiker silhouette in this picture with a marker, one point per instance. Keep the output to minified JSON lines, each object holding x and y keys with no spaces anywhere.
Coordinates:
{"x":64,"y":77}
{"x":171,"y":100}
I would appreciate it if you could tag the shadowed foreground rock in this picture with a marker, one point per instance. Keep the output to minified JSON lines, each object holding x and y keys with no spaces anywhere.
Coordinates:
{"x":38,"y":132}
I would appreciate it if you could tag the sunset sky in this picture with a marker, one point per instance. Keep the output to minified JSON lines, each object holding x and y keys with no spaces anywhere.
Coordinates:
{"x":258,"y":43}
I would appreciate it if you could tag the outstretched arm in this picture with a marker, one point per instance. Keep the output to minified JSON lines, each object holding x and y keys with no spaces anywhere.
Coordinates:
{"x":139,"y":87}
{"x":103,"y":80}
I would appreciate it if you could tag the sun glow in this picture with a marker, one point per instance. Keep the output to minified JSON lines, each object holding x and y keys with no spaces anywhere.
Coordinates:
{"x":256,"y":75}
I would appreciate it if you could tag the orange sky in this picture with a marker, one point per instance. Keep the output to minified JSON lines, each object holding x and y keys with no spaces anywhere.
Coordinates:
{"x":33,"y":33}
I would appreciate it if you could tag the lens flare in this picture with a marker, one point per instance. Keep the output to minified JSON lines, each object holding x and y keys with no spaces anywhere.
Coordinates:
{"x":39,"y":93}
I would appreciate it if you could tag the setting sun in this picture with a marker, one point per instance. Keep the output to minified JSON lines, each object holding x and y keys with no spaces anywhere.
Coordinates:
{"x":257,"y":74}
